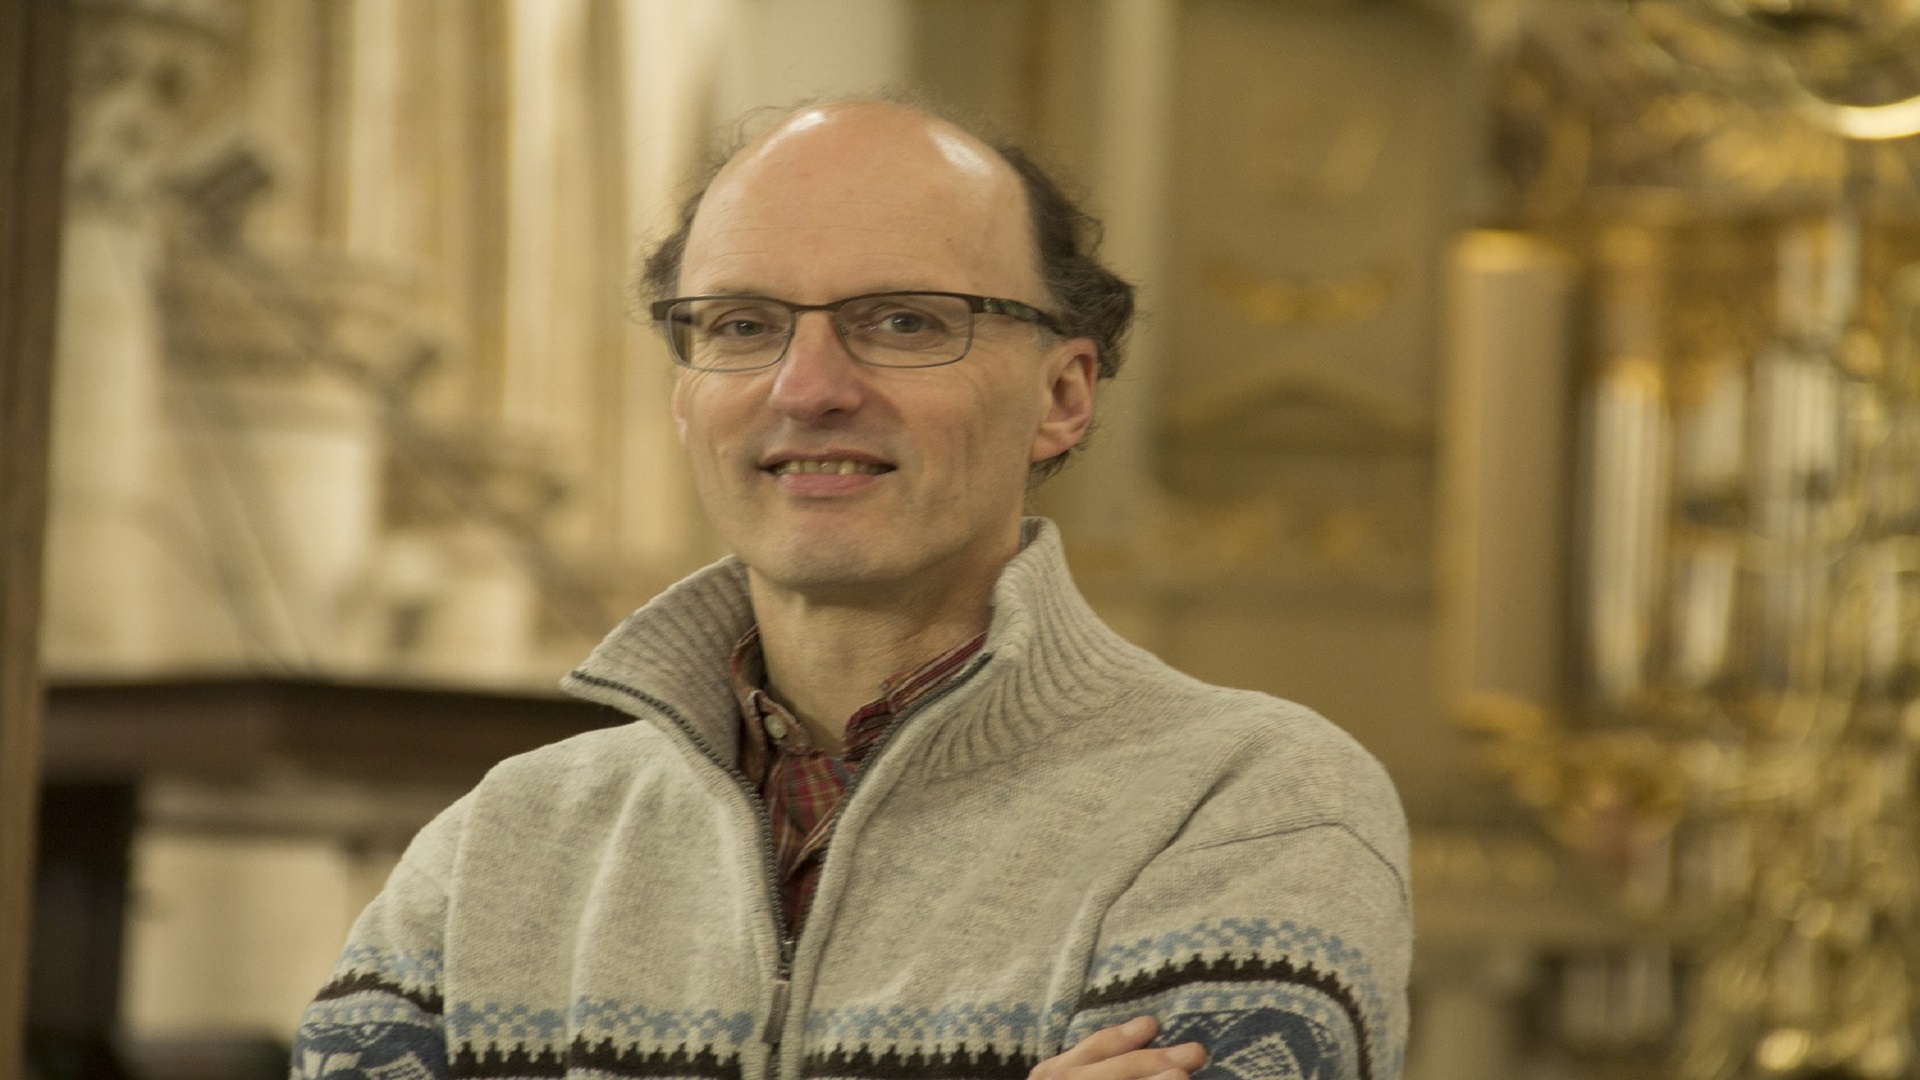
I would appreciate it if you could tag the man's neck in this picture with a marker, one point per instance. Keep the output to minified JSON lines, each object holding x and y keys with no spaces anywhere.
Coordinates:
{"x":827,"y":658}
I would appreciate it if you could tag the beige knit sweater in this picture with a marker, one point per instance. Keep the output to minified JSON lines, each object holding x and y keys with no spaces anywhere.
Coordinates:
{"x":1068,"y":835}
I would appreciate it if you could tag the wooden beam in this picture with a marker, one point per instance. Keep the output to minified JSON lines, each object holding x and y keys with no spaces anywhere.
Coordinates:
{"x":243,"y":730}
{"x":33,"y":114}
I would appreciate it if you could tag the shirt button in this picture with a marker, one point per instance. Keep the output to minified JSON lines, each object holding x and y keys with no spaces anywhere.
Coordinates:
{"x":775,"y":726}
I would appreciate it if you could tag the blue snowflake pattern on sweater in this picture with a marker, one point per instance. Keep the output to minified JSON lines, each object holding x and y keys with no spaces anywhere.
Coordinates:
{"x":371,"y":1050}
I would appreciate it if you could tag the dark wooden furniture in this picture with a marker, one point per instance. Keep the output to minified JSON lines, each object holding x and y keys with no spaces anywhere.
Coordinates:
{"x":239,"y":727}
{"x":105,"y":739}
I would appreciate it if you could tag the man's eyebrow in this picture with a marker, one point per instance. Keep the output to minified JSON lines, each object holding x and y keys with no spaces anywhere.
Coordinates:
{"x":730,"y":288}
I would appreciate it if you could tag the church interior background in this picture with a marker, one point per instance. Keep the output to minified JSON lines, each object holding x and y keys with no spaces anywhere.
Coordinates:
{"x":1528,"y":385}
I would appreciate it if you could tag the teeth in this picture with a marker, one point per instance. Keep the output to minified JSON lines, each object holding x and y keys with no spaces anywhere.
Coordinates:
{"x":842,"y":468}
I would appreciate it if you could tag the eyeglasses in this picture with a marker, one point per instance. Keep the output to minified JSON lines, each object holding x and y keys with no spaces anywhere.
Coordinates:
{"x":892,"y":329}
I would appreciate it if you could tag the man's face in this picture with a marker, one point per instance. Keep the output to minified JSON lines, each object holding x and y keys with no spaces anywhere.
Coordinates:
{"x":861,"y":199}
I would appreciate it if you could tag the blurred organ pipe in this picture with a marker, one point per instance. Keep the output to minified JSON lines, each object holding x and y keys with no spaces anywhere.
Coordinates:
{"x":1625,"y":525}
{"x":1504,"y":471}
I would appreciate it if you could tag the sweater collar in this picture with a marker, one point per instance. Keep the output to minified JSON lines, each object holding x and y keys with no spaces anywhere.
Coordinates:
{"x":1046,"y":651}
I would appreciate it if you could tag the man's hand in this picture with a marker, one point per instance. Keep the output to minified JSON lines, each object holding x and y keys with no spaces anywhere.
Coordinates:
{"x":1115,"y":1054}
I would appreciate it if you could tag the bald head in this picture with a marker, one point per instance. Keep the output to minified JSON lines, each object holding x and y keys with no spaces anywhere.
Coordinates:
{"x":880,"y":129}
{"x":878,"y":196}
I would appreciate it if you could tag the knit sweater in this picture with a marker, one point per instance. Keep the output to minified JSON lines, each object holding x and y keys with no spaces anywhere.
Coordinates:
{"x":1068,"y":835}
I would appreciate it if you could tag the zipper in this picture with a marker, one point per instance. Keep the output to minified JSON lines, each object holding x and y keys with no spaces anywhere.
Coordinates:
{"x":783,"y":983}
{"x":893,"y":729}
{"x":777,"y":1012}
{"x":769,"y":859}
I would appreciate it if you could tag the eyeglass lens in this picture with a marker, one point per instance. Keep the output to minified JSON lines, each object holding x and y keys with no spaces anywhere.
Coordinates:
{"x":897,"y":330}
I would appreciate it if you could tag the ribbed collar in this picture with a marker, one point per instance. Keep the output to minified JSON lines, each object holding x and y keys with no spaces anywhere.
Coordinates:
{"x":1048,"y":658}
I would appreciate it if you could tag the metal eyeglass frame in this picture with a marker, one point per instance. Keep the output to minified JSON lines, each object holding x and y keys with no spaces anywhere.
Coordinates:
{"x":976,"y":305}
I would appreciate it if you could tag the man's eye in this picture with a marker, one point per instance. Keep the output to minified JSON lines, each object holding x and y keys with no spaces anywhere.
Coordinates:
{"x":737,"y":324}
{"x":904,"y":322}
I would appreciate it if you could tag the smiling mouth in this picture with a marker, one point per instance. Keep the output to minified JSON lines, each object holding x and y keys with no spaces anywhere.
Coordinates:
{"x":837,"y":468}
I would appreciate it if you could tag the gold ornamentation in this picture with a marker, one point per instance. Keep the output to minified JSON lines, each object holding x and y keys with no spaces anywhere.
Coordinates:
{"x":1740,"y":752}
{"x":1742,"y":755}
{"x":1280,"y":302}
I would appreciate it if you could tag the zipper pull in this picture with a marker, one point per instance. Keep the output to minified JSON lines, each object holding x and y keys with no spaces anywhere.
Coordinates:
{"x":782,"y":987}
{"x":777,"y":1015}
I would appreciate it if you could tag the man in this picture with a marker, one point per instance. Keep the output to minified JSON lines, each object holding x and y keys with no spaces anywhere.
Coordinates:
{"x":1036,"y":849}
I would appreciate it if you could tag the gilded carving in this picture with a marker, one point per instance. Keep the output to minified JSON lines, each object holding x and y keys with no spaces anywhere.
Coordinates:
{"x":1272,"y":301}
{"x":1738,"y":750}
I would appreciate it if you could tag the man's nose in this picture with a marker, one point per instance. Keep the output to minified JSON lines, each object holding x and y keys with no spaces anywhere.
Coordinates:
{"x":817,"y":376}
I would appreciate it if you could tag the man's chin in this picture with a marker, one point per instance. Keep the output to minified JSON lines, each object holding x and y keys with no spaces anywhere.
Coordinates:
{"x":823,"y":573}
{"x":816,"y":559}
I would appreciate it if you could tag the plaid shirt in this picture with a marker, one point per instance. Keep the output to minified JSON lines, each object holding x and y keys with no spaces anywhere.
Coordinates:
{"x":803,"y":786}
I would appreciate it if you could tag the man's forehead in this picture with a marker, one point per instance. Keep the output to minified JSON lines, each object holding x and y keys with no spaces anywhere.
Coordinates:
{"x":866,"y":173}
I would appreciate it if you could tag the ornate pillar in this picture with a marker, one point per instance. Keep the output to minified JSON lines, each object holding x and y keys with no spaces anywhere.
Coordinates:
{"x":1115,"y":482}
{"x":119,"y":547}
{"x":669,"y":52}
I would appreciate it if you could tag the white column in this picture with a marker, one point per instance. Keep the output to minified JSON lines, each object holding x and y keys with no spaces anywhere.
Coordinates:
{"x":1504,"y":445}
{"x":102,"y":561}
{"x":1628,"y":466}
{"x":1109,"y":491}
{"x":379,"y":215}
{"x":549,"y":311}
{"x":672,"y":53}
{"x":282,"y":121}
{"x":536,"y":37}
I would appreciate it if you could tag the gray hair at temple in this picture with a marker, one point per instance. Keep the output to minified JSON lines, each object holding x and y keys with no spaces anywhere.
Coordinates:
{"x":1088,"y":299}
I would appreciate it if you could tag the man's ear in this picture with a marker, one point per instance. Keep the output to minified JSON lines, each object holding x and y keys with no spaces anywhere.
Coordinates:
{"x":678,"y":407}
{"x":1073,"y":369}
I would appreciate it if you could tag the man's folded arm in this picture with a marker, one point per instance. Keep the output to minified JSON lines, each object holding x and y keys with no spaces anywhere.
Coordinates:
{"x":1285,"y":954}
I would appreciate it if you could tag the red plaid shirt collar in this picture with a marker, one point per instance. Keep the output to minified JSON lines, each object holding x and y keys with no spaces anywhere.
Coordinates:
{"x":803,"y":785}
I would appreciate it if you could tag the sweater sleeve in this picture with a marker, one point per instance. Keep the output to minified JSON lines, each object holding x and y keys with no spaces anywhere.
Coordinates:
{"x":379,"y":1015}
{"x":1285,"y":954}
